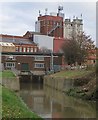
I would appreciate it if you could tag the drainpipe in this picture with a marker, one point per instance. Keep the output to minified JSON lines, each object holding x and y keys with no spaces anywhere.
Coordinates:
{"x":51,"y":61}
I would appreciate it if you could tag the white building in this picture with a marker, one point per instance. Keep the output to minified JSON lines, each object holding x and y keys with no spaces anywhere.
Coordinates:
{"x":44,"y":41}
{"x":37,"y":26}
{"x":72,"y":28}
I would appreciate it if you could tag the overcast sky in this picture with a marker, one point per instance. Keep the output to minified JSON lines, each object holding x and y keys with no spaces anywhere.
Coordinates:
{"x":18,"y":17}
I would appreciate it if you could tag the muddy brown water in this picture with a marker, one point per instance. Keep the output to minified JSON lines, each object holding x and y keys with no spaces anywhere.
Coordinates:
{"x":51,"y":103}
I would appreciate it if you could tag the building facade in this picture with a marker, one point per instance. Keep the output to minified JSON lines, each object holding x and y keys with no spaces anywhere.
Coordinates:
{"x":54,"y":44}
{"x":73,"y":28}
{"x":36,"y":62}
{"x":92,"y":57}
{"x":19,"y":44}
{"x":50,"y":25}
{"x":7,"y":47}
{"x":57,"y":44}
{"x":26,"y":48}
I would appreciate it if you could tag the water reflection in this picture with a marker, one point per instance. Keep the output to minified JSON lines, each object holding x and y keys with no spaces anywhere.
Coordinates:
{"x":50,"y":103}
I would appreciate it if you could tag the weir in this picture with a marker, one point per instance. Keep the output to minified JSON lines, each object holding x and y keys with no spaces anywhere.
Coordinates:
{"x":31,"y":78}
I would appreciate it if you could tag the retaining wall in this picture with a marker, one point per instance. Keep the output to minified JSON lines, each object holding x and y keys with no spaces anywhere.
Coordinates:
{"x":11,"y":83}
{"x":58,"y":83}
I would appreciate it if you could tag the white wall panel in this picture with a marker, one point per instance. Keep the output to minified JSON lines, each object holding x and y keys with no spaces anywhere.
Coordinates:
{"x":44,"y":41}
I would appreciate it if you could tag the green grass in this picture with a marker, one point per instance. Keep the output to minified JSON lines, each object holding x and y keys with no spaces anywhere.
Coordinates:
{"x":14,"y":107}
{"x":72,"y":73}
{"x":7,"y":74}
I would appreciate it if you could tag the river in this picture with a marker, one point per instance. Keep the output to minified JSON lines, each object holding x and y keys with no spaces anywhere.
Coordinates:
{"x":51,"y":103}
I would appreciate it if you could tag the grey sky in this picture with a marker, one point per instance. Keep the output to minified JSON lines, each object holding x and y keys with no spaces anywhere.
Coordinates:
{"x":18,"y":17}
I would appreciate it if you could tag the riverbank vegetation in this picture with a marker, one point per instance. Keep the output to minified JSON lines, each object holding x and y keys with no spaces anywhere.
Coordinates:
{"x":85,"y":88}
{"x":14,"y":107}
{"x":7,"y":74}
{"x":12,"y":104}
{"x":84,"y":83}
{"x":72,"y":73}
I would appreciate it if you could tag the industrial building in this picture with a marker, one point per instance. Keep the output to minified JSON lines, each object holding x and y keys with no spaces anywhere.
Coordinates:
{"x":52,"y":24}
{"x":37,"y":63}
{"x":19,"y":44}
{"x":51,"y":32}
{"x":7,"y":47}
{"x":53,"y":44}
{"x":73,"y":28}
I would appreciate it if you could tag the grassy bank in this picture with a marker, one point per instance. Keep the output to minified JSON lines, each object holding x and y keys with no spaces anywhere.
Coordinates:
{"x":84,"y":83}
{"x":13,"y":106}
{"x":72,"y":73}
{"x":7,"y":74}
{"x":86,"y":87}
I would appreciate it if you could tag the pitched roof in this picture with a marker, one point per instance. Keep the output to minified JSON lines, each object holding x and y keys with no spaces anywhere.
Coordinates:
{"x":32,"y":33}
{"x":15,"y":39}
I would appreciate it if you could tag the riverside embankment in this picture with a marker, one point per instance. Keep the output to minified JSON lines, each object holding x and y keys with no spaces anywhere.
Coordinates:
{"x":77,"y":83}
{"x":9,"y":80}
{"x":12,"y":105}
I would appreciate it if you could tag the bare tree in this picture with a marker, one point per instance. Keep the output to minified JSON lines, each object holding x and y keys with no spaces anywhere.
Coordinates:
{"x":76,"y":49}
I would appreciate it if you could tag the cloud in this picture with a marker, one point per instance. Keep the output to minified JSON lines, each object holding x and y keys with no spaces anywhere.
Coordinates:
{"x":18,"y":17}
{"x":48,"y":1}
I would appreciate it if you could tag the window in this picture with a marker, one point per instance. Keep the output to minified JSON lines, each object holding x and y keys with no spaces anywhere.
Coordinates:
{"x":39,"y":58}
{"x":47,"y":22}
{"x":24,"y":49}
{"x":10,"y":64}
{"x":16,"y":49}
{"x":39,"y":65}
{"x":54,"y":23}
{"x":44,"y":22}
{"x":35,"y":49}
{"x":31,"y":49}
{"x":28,"y":49}
{"x":20,"y":49}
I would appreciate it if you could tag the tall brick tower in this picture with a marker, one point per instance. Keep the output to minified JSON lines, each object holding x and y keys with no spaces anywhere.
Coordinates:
{"x":51,"y":25}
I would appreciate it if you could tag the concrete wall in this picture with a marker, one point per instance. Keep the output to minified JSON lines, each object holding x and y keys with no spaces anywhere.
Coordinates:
{"x":37,"y":26}
{"x":58,"y":83}
{"x":11,"y":83}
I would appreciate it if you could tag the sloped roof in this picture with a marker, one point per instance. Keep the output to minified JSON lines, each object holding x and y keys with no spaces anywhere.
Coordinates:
{"x":32,"y":33}
{"x":15,"y":39}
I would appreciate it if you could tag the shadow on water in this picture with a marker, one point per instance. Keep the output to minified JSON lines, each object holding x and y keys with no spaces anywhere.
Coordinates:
{"x":51,"y":103}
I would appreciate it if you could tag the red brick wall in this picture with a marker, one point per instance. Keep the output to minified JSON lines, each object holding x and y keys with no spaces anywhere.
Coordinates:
{"x":27,"y":46}
{"x":58,"y":42}
{"x":47,"y":24}
{"x":30,"y":60}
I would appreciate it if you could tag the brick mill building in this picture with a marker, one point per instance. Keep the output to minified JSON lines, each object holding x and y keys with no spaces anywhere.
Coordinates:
{"x":19,"y":43}
{"x":36,"y":63}
{"x":50,"y":25}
